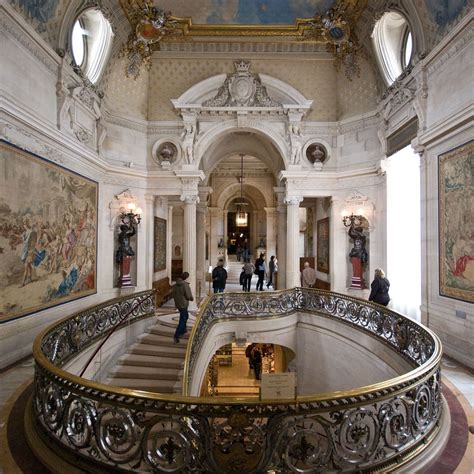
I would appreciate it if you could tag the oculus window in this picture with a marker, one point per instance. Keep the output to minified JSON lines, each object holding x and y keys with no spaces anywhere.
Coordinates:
{"x":393,"y":44}
{"x":91,"y":41}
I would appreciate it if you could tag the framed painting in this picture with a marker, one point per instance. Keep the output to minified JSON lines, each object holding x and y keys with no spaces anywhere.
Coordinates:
{"x":322,"y":262}
{"x":456,"y":217}
{"x":48,"y":234}
{"x":159,"y":254}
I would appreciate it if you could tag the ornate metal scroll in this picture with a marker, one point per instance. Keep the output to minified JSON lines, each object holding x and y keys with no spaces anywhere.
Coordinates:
{"x":134,"y":431}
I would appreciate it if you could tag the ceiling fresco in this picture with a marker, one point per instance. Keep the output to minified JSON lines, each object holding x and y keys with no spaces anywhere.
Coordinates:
{"x":245,"y":12}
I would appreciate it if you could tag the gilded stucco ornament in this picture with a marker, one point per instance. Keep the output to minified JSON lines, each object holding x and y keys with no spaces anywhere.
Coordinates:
{"x":151,"y":26}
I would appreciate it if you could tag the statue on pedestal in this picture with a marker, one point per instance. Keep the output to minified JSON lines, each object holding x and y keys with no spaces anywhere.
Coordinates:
{"x":125,"y":252}
{"x":358,"y":253}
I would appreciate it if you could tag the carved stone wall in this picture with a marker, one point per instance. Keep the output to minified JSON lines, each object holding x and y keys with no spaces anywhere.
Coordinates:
{"x":315,"y":79}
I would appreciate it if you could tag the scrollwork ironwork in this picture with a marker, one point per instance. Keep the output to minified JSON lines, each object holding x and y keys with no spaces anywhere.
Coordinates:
{"x":144,"y":432}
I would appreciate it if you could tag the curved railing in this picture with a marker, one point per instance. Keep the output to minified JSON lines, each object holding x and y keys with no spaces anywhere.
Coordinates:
{"x":370,"y":428}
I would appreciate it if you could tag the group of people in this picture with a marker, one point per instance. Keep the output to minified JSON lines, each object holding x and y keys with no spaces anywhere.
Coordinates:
{"x":259,"y":269}
{"x":182,"y":292}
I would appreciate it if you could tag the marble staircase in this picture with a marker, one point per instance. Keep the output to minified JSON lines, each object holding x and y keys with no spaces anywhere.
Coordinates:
{"x":155,"y":362}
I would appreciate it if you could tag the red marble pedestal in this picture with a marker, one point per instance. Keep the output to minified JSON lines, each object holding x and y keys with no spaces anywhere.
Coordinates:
{"x":125,"y":280}
{"x":357,"y":274}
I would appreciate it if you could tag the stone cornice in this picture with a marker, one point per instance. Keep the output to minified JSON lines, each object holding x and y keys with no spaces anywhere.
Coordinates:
{"x":26,"y":123}
{"x":454,"y":124}
{"x":127,"y":122}
{"x":14,"y":25}
{"x":451,"y":44}
{"x":236,"y":49}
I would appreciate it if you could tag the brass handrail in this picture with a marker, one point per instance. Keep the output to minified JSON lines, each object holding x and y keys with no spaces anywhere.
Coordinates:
{"x":107,"y":337}
{"x":94,"y":418}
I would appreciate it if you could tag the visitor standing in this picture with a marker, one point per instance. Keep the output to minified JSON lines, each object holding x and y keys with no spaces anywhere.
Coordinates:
{"x":260,"y":271}
{"x":257,"y":363}
{"x":379,"y":288}
{"x":272,"y":269}
{"x":308,"y":276}
{"x":248,"y":270}
{"x":182,"y":296}
{"x":219,"y":277}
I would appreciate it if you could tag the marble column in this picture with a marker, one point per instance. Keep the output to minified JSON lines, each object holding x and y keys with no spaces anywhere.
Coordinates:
{"x":169,"y":242}
{"x":189,"y":239}
{"x":281,"y":246}
{"x":215,"y":216}
{"x":201,"y":249}
{"x":149,"y":238}
{"x":292,"y":241}
{"x":225,"y":214}
{"x":270,"y":232}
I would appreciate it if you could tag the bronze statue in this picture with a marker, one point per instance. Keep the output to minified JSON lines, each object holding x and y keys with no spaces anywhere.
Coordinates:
{"x":127,"y":231}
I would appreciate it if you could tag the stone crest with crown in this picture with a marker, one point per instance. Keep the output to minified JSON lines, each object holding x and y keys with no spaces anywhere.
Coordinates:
{"x":242,"y":89}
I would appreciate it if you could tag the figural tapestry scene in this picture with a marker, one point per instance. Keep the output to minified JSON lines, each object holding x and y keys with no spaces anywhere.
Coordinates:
{"x":48,"y":222}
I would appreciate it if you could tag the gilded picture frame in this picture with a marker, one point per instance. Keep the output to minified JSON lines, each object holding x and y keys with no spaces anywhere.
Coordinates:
{"x":159,"y":245}
{"x":48,"y":233}
{"x":322,"y":255}
{"x":456,"y":217}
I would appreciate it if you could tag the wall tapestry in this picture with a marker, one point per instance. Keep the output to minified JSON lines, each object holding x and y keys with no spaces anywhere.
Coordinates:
{"x":456,"y":217}
{"x":323,"y":245}
{"x":48,"y":241}
{"x":159,"y":258}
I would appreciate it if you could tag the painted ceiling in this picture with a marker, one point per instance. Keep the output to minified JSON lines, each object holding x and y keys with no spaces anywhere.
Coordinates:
{"x":248,"y":12}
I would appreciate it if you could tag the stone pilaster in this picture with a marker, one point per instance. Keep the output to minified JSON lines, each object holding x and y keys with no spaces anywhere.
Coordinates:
{"x":169,"y":242}
{"x":189,"y":231}
{"x":271,"y":234}
{"x":292,"y":241}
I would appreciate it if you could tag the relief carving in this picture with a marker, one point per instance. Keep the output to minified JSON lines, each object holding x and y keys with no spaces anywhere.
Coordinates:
{"x":242,"y":89}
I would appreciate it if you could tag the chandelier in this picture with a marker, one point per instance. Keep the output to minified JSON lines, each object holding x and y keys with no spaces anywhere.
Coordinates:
{"x":241,"y":217}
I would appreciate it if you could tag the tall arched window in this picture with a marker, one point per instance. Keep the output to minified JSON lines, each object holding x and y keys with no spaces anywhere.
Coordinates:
{"x":91,"y":41}
{"x":393,"y":43}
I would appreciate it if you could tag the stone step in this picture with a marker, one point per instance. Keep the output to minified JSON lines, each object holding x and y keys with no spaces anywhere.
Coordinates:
{"x":176,"y":351}
{"x":162,"y":341}
{"x":162,"y":330}
{"x":138,"y":360}
{"x":150,"y":373}
{"x":159,"y":386}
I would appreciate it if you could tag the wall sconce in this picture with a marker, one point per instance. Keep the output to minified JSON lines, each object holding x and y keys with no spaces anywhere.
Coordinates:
{"x":353,"y":219}
{"x":131,"y":217}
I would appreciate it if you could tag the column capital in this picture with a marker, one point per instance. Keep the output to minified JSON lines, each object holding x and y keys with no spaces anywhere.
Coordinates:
{"x":150,"y":198}
{"x":293,"y":200}
{"x":189,"y":199}
{"x":270,"y":210}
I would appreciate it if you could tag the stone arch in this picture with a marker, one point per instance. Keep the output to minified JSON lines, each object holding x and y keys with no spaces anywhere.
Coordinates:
{"x":221,"y":129}
{"x":251,"y":194}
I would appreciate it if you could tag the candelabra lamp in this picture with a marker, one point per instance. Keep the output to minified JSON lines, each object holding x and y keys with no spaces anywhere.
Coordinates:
{"x":125,"y":252}
{"x":358,"y":254}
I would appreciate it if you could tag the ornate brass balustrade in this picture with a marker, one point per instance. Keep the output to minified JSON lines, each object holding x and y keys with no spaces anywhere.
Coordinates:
{"x":370,"y":428}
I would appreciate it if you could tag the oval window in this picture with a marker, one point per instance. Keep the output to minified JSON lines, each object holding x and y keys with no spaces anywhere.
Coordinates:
{"x":91,"y":41}
{"x":393,"y":44}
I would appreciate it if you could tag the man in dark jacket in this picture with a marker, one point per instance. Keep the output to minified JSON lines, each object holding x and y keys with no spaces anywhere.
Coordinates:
{"x":182,"y":296}
{"x":219,"y":277}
